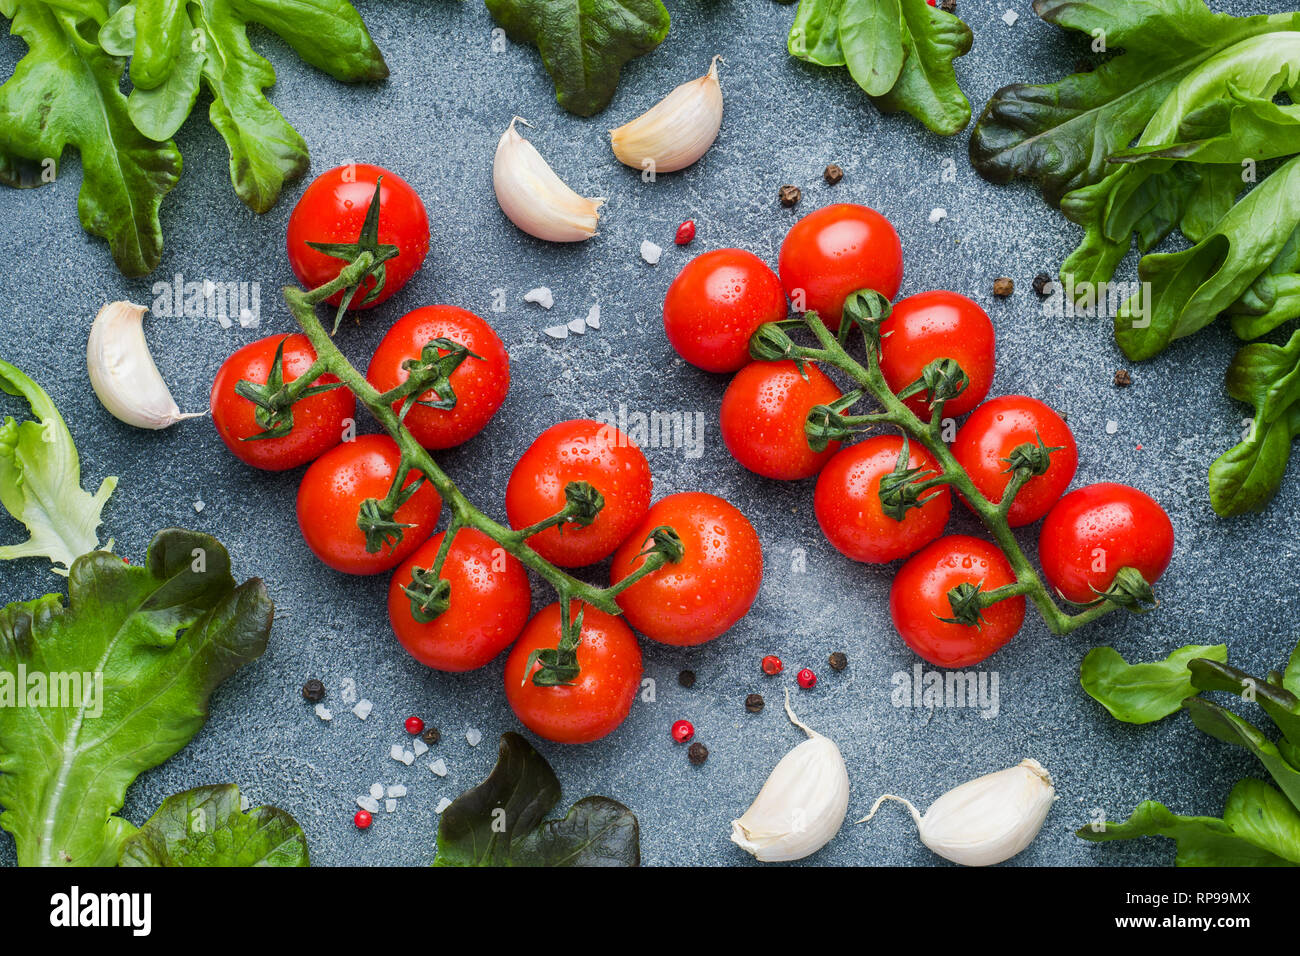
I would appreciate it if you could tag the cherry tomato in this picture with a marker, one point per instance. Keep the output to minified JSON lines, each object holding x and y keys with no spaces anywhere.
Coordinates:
{"x":716,"y":303}
{"x":835,"y":251}
{"x":488,"y":604}
{"x":1098,"y":529}
{"x":848,"y":506}
{"x":710,"y":589}
{"x":918,"y":599}
{"x":598,"y":699}
{"x":330,"y":497}
{"x":934,"y":325}
{"x":763,"y":415}
{"x":579,"y":450}
{"x":333,"y":209}
{"x":318,"y":420}
{"x":480,"y":383}
{"x":994,"y":430}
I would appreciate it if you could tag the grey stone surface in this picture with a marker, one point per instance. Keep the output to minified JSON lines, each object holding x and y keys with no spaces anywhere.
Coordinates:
{"x":436,"y":122}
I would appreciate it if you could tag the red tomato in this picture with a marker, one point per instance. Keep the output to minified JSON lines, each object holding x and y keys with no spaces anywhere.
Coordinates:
{"x":333,"y":209}
{"x":996,"y":428}
{"x":934,"y":325}
{"x":480,"y":383}
{"x":716,"y":303}
{"x":330,"y":497}
{"x":763,"y":415}
{"x":835,"y":251}
{"x":1098,"y":529}
{"x":847,"y":502}
{"x":919,"y":598}
{"x":318,"y":420}
{"x":579,"y":450}
{"x":488,"y":605}
{"x":710,"y":589}
{"x":598,"y":699}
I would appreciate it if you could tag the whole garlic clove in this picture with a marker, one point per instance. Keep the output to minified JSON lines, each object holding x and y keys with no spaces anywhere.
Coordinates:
{"x":677,"y":130}
{"x":534,"y":198}
{"x":986,"y":820}
{"x":801,"y":805}
{"x":123,"y":373}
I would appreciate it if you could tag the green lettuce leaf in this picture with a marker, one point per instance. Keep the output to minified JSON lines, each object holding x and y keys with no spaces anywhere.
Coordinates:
{"x":1142,"y":693}
{"x":501,"y":821}
{"x":40,"y":480}
{"x":147,"y":646}
{"x":206,"y":827}
{"x":1226,"y":726}
{"x":1273,"y":298}
{"x":927,"y":86}
{"x":583,"y":43}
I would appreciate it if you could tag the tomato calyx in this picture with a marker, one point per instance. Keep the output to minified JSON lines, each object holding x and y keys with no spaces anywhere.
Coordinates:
{"x":771,"y":343}
{"x":377,"y":519}
{"x":431,"y":372}
{"x":1131,"y":591}
{"x":582,"y":505}
{"x":559,"y":664}
{"x":900,"y":491}
{"x":828,"y":423}
{"x":275,"y":399}
{"x":941,"y":381}
{"x":662,"y":541}
{"x":430,"y":594}
{"x":866,"y":309}
{"x":1034,"y":457}
{"x":350,"y":252}
{"x":969,"y":600}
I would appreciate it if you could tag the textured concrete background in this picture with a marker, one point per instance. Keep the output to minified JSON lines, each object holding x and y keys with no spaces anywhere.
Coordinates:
{"x":436,"y":122}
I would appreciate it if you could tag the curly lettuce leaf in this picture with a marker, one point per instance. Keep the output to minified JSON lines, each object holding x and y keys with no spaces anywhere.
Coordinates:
{"x":584,"y":43}
{"x":135,"y":656}
{"x":1142,"y":693}
{"x":40,"y":480}
{"x":206,"y":827}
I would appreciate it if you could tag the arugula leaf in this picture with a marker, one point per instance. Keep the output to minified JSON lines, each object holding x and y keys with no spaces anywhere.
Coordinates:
{"x":147,"y":645}
{"x":1226,"y":726}
{"x":206,"y":827}
{"x":1142,"y":693}
{"x":1060,"y":135}
{"x":1259,"y":826}
{"x":500,"y":822}
{"x":584,"y":43}
{"x":40,"y":480}
{"x":1248,"y":475}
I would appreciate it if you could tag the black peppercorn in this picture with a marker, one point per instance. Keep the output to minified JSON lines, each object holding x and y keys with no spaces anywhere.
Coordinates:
{"x":833,"y":174}
{"x":838,"y":661}
{"x":1043,"y":284}
{"x":697,"y":753}
{"x":313,"y":691}
{"x":754,"y":703}
{"x":431,"y":736}
{"x":790,"y":195}
{"x":686,"y":678}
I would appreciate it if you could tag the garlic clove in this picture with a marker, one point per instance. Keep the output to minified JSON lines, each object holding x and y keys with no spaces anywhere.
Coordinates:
{"x":802,"y":803}
{"x":534,"y":198}
{"x":123,"y":373}
{"x":677,"y":130}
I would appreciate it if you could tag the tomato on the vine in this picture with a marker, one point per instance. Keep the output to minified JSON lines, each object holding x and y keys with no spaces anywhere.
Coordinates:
{"x":999,"y":426}
{"x":577,"y":451}
{"x":487,"y":605}
{"x":918,"y":600}
{"x":330,"y":497}
{"x":836,"y":251}
{"x":1098,"y":529}
{"x":319,"y":420}
{"x":598,"y":699}
{"x":716,"y":303}
{"x":332,"y":210}
{"x":935,"y":325}
{"x":849,"y":509}
{"x":713,"y":586}
{"x":480,"y":381}
{"x":763,"y":415}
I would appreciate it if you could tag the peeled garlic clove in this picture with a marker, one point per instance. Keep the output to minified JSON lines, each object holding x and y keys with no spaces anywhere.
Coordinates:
{"x":988,"y":819}
{"x":534,"y":198}
{"x":122,"y":370}
{"x":802,"y":804}
{"x":677,"y":130}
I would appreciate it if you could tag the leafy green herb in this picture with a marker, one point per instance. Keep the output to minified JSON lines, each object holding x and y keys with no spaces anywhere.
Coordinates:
{"x":501,"y":821}
{"x":1141,"y":693}
{"x":1248,"y":475}
{"x":65,"y":92}
{"x":112,"y":684}
{"x":40,"y":480}
{"x":900,"y":52}
{"x":584,"y":43}
{"x":206,"y":827}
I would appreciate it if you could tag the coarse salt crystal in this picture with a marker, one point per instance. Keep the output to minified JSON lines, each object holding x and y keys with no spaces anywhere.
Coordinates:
{"x":376,"y":790}
{"x":420,"y":747}
{"x":556,"y":331}
{"x":650,"y":252}
{"x":395,"y":751}
{"x":443,"y":804}
{"x":541,"y":295}
{"x":396,"y":790}
{"x":938,"y":213}
{"x":390,"y":805}
{"x":323,"y":712}
{"x":368,"y":803}
{"x":199,"y":506}
{"x":363,"y":708}
{"x":407,"y":757}
{"x":1010,"y":18}
{"x":244,"y":803}
{"x":577,"y":326}
{"x":349,"y":687}
{"x":473,"y":736}
{"x":439,"y":767}
{"x":225,"y":322}
{"x":1112,"y":426}
{"x":247,"y":320}
{"x":593,"y":317}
